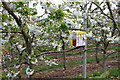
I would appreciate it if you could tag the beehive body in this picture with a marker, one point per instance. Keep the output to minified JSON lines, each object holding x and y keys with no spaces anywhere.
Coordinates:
{"x":77,"y":38}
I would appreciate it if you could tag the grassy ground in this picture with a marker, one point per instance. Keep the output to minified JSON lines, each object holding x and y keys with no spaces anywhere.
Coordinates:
{"x":110,"y":73}
{"x":67,"y":54}
{"x":69,"y":63}
{"x":0,"y":75}
{"x":43,"y":68}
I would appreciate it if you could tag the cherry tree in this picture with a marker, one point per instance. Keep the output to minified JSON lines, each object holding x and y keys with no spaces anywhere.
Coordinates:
{"x":20,"y":32}
{"x":26,"y":34}
{"x":104,"y":27}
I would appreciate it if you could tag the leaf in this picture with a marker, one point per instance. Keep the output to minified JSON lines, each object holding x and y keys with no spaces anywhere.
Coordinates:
{"x":68,"y":11}
{"x":56,"y":48}
{"x":63,"y":26}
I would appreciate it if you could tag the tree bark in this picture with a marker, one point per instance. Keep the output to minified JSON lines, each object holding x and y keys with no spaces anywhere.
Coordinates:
{"x":97,"y":59}
{"x":104,"y":62}
{"x":63,"y":47}
{"x":27,"y":37}
{"x":119,"y":18}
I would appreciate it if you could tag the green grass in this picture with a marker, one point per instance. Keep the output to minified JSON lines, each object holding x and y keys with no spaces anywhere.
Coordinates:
{"x":115,"y":72}
{"x":98,"y":74}
{"x":68,"y":54}
{"x":53,"y":56}
{"x":3,"y":75}
{"x":89,"y":51}
{"x":43,"y":68}
{"x":0,"y":75}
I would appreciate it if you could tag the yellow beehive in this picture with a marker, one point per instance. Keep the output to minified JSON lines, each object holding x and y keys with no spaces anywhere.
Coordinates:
{"x":77,"y":38}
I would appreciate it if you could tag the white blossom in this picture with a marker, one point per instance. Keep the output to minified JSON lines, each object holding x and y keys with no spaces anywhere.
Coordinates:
{"x":5,"y":70}
{"x":59,"y":49}
{"x":50,"y":62}
{"x":4,"y":41}
{"x":22,"y":49}
{"x":17,"y":43}
{"x":41,"y":58}
{"x":108,"y":39}
{"x":98,"y":38}
{"x":51,"y":7}
{"x":109,"y":35}
{"x":117,"y":39}
{"x":34,"y":62}
{"x":43,"y":3}
{"x":19,"y":8}
{"x":19,"y":46}
{"x":17,"y":66}
{"x":64,"y":35}
{"x":29,"y":71}
{"x":15,"y":74}
{"x":29,"y":57}
{"x":9,"y":74}
{"x":33,"y":44}
{"x":32,"y":52}
{"x":54,"y":63}
{"x":77,"y":13}
{"x":106,"y":29}
{"x":90,"y":34}
{"x":5,"y":12}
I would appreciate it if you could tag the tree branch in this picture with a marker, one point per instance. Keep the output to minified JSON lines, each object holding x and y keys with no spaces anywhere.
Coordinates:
{"x":111,"y":14}
{"x":32,"y":38}
{"x":58,"y":51}
{"x":102,"y":10}
{"x":10,"y":32}
{"x":26,"y":36}
{"x":112,"y":17}
{"x":111,"y":53}
{"x":14,"y":16}
{"x":76,"y":29}
{"x":11,"y":12}
{"x":96,"y":8}
{"x":98,"y":22}
{"x":89,"y":7}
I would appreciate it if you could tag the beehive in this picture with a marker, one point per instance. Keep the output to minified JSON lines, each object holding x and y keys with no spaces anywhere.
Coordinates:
{"x":77,"y":38}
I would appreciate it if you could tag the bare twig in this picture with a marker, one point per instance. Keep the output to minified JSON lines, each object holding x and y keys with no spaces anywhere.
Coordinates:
{"x":111,"y":14}
{"x":89,"y":7}
{"x":10,"y":32}
{"x":58,"y":51}
{"x":111,"y":53}
{"x":33,"y":38}
{"x":76,"y":29}
{"x":102,"y":10}
{"x":112,"y":18}
{"x":50,"y":52}
{"x":96,"y":7}
{"x":97,"y":22}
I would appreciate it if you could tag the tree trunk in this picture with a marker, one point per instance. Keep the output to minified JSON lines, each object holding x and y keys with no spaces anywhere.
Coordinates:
{"x":27,"y":37}
{"x":118,"y":7}
{"x":97,"y":59}
{"x":119,"y":18}
{"x":104,"y":62}
{"x":20,"y":67}
{"x":20,"y":70}
{"x":63,"y":47}
{"x":64,"y":60}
